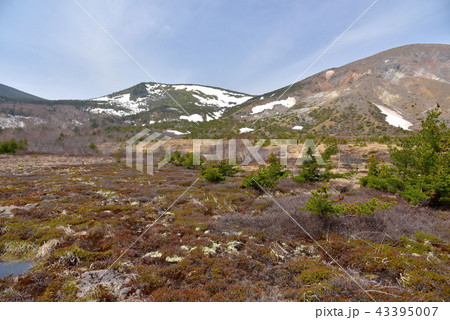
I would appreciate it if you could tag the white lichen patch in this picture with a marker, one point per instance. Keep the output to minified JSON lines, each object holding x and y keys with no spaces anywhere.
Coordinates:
{"x":106,"y":193}
{"x":174,"y":258}
{"x":231,"y":246}
{"x":153,"y":254}
{"x":187,"y":248}
{"x":212,"y":249}
{"x":305,"y":250}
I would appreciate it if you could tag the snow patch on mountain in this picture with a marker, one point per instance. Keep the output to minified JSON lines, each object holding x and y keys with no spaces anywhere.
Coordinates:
{"x":122,"y":104}
{"x":394,"y":119}
{"x":287,"y":103}
{"x":123,"y":101}
{"x":213,"y":96}
{"x":113,"y":112}
{"x":155,"y":88}
{"x":192,"y":118}
{"x":243,"y":130}
{"x":177,"y":133}
{"x":11,"y":121}
{"x":215,"y":115}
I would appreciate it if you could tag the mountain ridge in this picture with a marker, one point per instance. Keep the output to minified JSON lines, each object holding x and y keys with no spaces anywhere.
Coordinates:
{"x":7,"y":92}
{"x":385,"y":94}
{"x":193,"y":101}
{"x":393,"y":81}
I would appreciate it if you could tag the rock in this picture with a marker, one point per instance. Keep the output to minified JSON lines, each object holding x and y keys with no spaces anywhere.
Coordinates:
{"x":111,"y":280}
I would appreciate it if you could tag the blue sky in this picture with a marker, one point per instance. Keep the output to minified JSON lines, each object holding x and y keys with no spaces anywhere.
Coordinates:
{"x":50,"y":48}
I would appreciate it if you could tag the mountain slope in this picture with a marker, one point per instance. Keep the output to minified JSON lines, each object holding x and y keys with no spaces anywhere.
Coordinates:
{"x":7,"y":92}
{"x":166,"y":102}
{"x":374,"y":95}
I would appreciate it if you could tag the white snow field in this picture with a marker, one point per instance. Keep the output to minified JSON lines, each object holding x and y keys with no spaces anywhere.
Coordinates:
{"x":243,"y":130}
{"x":287,"y":103}
{"x":394,"y":119}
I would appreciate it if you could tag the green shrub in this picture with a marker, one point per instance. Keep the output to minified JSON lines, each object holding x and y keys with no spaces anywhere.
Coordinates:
{"x":267,"y":175}
{"x":216,"y":172}
{"x":413,"y":193}
{"x":213,"y":174}
{"x":61,"y":137}
{"x":93,"y":147}
{"x":380,"y":176}
{"x":314,"y":275}
{"x":364,"y":208}
{"x":345,"y":175}
{"x":183,"y":160}
{"x":331,"y":148}
{"x":12,"y":146}
{"x":321,"y":205}
{"x":228,"y":169}
{"x":420,"y":169}
{"x":421,"y":236}
{"x":312,"y":171}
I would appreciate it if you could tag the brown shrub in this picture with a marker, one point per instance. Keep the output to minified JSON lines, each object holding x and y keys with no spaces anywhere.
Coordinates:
{"x":400,"y":220}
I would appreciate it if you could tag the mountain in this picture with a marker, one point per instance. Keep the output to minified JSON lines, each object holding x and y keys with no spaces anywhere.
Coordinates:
{"x":71,"y":125}
{"x":169,"y":102}
{"x":14,"y":94}
{"x":384,"y":94}
{"x":371,"y":96}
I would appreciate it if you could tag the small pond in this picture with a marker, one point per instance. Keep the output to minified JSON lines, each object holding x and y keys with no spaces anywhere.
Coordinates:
{"x":14,"y":268}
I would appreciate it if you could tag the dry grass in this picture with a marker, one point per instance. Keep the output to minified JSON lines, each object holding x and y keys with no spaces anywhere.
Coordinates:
{"x":401,"y":220}
{"x":218,"y":242}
